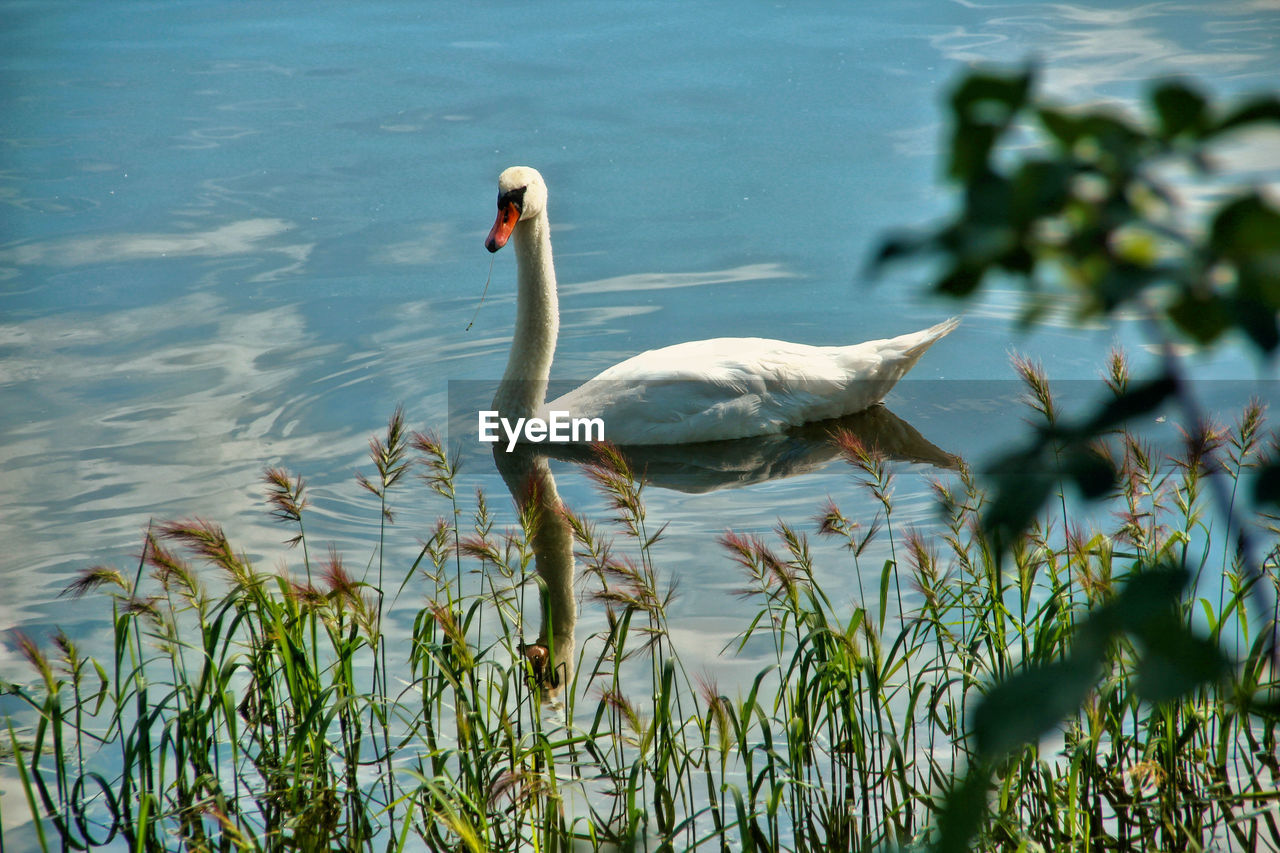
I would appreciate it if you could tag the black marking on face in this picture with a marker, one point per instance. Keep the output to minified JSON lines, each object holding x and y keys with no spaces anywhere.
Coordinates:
{"x":513,"y":197}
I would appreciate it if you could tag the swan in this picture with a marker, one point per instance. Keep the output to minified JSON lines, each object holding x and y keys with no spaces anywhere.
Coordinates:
{"x":708,"y":390}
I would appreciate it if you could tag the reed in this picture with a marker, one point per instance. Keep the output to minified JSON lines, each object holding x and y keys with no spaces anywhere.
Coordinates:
{"x":251,"y":710}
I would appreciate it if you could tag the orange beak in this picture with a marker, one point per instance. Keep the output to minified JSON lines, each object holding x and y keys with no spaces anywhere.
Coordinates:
{"x":508,"y":216}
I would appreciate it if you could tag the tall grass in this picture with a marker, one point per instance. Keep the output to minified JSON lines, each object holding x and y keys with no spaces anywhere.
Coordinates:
{"x":244,"y":709}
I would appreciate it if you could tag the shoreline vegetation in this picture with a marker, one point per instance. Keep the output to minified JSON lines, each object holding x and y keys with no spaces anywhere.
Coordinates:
{"x":280,"y":713}
{"x":1081,"y":655}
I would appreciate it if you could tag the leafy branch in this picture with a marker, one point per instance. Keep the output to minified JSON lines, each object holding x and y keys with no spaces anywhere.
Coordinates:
{"x":1077,"y":207}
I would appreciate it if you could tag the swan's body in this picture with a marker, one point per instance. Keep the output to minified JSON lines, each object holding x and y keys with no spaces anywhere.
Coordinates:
{"x":705,"y":390}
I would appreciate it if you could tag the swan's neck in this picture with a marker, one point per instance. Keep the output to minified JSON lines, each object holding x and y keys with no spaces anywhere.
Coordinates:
{"x":524,"y":384}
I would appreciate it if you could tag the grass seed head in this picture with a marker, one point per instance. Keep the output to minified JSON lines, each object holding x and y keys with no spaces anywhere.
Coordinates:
{"x":30,"y":650}
{"x":95,"y":577}
{"x":1116,"y":374}
{"x":286,"y":495}
{"x":207,"y":541}
{"x":1039,"y":397}
{"x":442,"y":469}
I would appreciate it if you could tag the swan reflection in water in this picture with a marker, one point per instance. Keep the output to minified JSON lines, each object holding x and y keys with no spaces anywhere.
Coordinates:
{"x":527,"y":475}
{"x":693,"y":468}
{"x":710,"y":465}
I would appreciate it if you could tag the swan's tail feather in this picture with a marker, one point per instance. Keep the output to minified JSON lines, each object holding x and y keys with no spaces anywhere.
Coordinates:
{"x":873,"y":368}
{"x":926,"y":338}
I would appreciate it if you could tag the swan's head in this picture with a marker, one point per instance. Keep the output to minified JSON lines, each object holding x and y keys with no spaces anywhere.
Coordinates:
{"x":521,"y":195}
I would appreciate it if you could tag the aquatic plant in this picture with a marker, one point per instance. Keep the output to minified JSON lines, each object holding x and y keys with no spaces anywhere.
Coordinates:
{"x":253,"y":710}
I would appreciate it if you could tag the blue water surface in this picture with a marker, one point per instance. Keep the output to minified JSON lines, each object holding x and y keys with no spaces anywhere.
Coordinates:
{"x":236,"y":235}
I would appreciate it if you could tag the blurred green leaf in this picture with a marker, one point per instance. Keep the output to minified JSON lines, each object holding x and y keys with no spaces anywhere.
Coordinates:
{"x":1203,"y":316}
{"x":1041,"y":188}
{"x":1261,"y":109}
{"x":1112,"y":130}
{"x":988,"y":201}
{"x":983,"y":105}
{"x":1257,"y":319}
{"x":1245,"y":238}
{"x":1022,"y":485}
{"x":1145,"y":597}
{"x":960,"y":280}
{"x":1266,"y":488}
{"x":1024,"y":479}
{"x":1121,"y":282}
{"x":1138,"y":399}
{"x":1066,"y":128}
{"x":902,"y":245}
{"x":1018,"y":260}
{"x":1115,"y":146}
{"x":1092,"y":474}
{"x":1180,"y":108}
{"x":1265,"y":703}
{"x":971,"y":150}
{"x":961,"y":817}
{"x":1247,"y":230}
{"x":1022,"y":709}
{"x":1174,"y":662}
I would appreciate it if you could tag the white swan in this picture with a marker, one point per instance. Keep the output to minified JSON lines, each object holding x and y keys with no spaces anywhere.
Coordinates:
{"x":697,"y":391}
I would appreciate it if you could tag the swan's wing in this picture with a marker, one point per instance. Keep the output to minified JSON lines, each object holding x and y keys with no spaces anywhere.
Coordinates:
{"x":733,"y":387}
{"x":707,"y":390}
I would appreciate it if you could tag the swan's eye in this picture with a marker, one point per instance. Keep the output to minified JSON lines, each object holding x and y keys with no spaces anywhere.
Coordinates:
{"x":513,"y":197}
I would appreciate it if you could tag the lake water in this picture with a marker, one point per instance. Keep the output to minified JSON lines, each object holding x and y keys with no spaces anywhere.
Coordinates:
{"x":239,"y":235}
